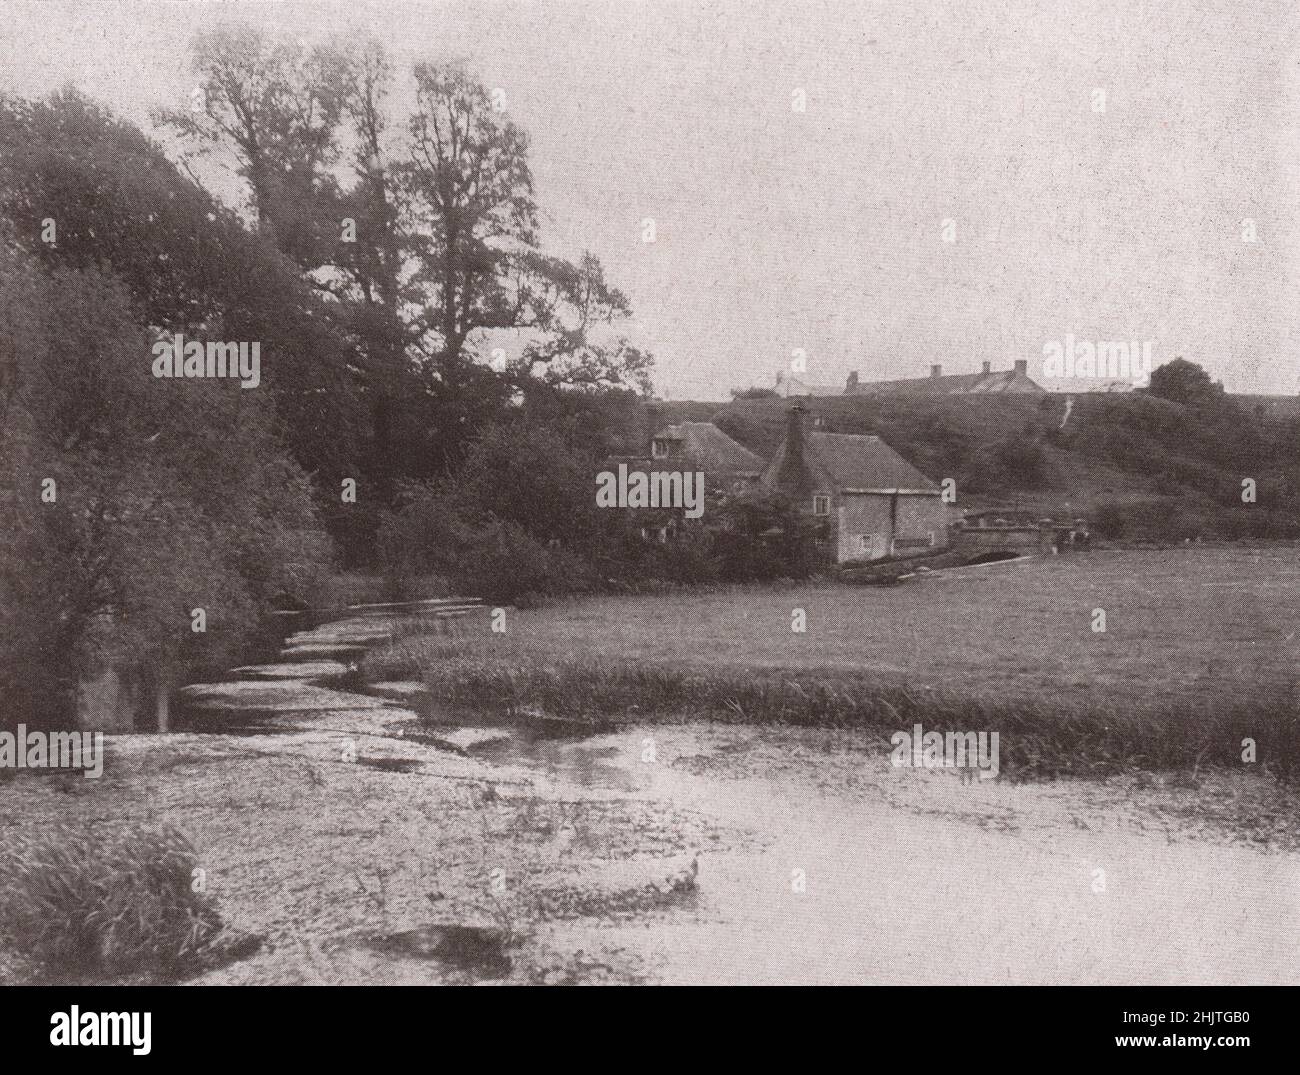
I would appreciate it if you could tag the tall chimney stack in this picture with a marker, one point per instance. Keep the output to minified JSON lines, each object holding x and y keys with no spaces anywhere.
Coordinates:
{"x":936,"y":370}
{"x":792,"y":466}
{"x":1022,"y":367}
{"x":985,"y":370}
{"x":794,"y":428}
{"x":852,"y":382}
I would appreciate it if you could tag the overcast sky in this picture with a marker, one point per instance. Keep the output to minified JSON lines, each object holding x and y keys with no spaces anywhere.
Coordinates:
{"x":823,"y":230}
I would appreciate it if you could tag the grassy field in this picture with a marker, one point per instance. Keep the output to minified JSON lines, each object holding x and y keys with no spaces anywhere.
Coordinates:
{"x":1200,"y":650}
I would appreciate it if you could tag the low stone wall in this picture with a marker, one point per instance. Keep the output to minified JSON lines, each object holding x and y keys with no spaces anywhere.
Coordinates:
{"x":980,"y":539}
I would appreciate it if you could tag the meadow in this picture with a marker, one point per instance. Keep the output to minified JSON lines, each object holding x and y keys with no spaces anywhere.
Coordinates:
{"x":1198,"y":653}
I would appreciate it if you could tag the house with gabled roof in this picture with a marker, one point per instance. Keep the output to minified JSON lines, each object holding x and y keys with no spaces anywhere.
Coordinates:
{"x":728,"y":468}
{"x":727,"y":465}
{"x":873,"y":502}
{"x":787,"y":386}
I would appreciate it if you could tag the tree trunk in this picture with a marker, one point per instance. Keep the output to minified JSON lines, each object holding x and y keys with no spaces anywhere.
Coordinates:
{"x":163,"y":702}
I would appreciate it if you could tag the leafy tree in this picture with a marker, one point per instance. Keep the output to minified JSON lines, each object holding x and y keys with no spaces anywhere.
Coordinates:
{"x":445,"y":247}
{"x":448,"y":226}
{"x":116,"y":202}
{"x":168,"y":496}
{"x":296,"y":121}
{"x":528,"y":475}
{"x":1184,"y":382}
{"x":279,"y":108}
{"x":476,"y":241}
{"x":597,"y":424}
{"x":575,"y":309}
{"x":762,"y":535}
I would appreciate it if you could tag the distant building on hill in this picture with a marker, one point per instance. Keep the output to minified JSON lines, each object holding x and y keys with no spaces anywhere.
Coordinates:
{"x":788,"y":387}
{"x":873,"y":501}
{"x":1014,"y":380}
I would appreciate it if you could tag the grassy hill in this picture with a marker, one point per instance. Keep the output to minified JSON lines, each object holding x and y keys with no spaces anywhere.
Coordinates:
{"x":1137,"y":466}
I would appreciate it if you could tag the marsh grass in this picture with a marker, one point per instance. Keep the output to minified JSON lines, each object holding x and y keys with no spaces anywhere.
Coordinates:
{"x":1194,"y":663}
{"x":1041,"y":740}
{"x":81,"y":906}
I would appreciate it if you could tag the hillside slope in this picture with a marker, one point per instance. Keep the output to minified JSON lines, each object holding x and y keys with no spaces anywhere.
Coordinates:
{"x":1138,"y":466}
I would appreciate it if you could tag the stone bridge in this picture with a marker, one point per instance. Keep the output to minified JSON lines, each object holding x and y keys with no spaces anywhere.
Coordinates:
{"x":990,"y":532}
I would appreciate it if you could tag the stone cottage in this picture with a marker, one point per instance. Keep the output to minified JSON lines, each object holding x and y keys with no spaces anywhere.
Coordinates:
{"x":728,"y":467}
{"x":874,"y":503}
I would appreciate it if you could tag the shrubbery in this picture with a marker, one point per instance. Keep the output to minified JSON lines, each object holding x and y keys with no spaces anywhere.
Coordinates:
{"x":167,"y":496}
{"x":519,"y":522}
{"x":503,"y":564}
{"x":1015,"y":461}
{"x":1174,"y":520}
{"x":1022,"y":461}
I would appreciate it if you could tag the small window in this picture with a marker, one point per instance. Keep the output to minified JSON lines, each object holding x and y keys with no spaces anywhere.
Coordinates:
{"x":821,"y":505}
{"x":865,"y":541}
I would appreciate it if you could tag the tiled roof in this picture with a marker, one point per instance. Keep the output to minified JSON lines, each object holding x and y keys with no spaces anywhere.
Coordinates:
{"x":793,"y":386}
{"x":838,"y":461}
{"x":860,"y":462}
{"x":706,"y":446}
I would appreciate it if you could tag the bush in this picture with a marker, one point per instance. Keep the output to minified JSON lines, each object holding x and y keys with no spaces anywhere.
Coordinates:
{"x":504,"y":565}
{"x":1022,"y":461}
{"x":1160,"y":520}
{"x":77,"y":905}
{"x":1016,"y":461}
{"x":170,"y":496}
{"x":763,"y":536}
{"x":686,"y":560}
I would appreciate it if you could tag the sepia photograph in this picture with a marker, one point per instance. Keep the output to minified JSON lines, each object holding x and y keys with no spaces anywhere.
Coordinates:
{"x":649,"y":493}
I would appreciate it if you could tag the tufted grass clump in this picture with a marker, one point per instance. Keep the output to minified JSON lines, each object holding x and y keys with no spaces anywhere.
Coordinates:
{"x":86,"y":906}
